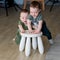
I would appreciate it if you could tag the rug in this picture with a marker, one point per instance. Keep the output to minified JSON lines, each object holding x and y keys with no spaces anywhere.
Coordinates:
{"x":54,"y":51}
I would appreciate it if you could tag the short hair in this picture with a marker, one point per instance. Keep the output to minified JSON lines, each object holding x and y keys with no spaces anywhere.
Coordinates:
{"x":24,"y":10}
{"x":35,"y":4}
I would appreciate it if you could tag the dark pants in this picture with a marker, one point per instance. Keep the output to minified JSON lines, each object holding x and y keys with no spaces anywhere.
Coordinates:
{"x":46,"y":31}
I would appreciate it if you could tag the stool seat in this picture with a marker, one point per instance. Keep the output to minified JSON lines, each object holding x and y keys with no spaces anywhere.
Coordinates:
{"x":27,"y":34}
{"x":26,"y":42}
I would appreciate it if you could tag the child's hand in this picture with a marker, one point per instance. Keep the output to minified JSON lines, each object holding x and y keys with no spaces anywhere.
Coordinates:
{"x":23,"y":31}
{"x":34,"y":27}
{"x":36,"y":31}
{"x":30,"y":31}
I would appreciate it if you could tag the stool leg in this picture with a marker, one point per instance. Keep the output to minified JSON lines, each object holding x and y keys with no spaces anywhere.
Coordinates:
{"x":28,"y":47}
{"x":6,"y":8}
{"x":52,"y":5}
{"x":22,"y":44}
{"x":34,"y":43}
{"x":40,"y":45}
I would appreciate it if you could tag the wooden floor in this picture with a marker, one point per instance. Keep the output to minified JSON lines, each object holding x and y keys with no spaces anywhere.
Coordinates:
{"x":8,"y":27}
{"x":54,"y":51}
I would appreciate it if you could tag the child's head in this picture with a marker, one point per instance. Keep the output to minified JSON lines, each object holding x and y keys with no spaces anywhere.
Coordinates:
{"x":24,"y":15}
{"x":35,"y":8}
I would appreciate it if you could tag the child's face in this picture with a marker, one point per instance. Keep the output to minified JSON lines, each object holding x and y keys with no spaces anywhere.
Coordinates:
{"x":34,"y":12}
{"x":23,"y":17}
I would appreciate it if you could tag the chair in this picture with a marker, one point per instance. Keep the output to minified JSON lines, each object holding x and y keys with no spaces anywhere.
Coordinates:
{"x":53,"y":2}
{"x":42,"y":2}
{"x":27,"y":43}
{"x":8,"y":3}
{"x":4,"y":4}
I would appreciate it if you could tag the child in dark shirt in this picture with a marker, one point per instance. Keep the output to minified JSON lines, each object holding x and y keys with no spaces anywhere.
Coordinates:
{"x":35,"y":20}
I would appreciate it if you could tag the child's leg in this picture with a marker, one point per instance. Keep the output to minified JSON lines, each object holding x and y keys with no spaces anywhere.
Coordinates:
{"x":46,"y":32}
{"x":18,"y":38}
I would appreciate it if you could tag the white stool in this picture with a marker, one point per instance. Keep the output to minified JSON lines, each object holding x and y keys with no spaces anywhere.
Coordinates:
{"x":27,"y":36}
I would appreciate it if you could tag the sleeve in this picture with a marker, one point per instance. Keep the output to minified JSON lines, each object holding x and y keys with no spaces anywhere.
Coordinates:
{"x":19,"y":22}
{"x":40,"y":17}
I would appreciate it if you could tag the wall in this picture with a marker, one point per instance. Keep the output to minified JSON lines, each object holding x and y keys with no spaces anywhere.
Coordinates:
{"x":19,"y":1}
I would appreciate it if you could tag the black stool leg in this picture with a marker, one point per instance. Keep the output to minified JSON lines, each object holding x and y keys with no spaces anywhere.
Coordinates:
{"x":15,"y":7}
{"x":54,"y":1}
{"x":52,"y":5}
{"x":18,"y":6}
{"x":47,"y":2}
{"x":6,"y":8}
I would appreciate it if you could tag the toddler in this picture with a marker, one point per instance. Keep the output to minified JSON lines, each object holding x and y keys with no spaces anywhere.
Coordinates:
{"x":35,"y":21}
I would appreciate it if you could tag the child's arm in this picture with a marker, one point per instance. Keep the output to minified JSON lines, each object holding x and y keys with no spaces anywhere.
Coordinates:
{"x":38,"y":30}
{"x":21,"y":28}
{"x":40,"y":25}
{"x":29,"y":25}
